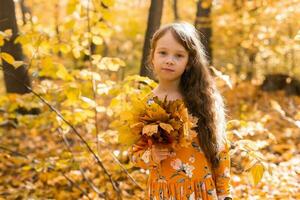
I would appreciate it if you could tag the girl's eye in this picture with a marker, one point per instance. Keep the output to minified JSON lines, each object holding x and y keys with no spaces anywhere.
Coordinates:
{"x":162,"y":52}
{"x":179,"y":55}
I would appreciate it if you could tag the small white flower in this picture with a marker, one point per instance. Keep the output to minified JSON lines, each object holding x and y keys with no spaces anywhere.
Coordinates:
{"x":176,"y":164}
{"x":188,"y":170}
{"x":192,"y":196}
{"x":192,"y":159}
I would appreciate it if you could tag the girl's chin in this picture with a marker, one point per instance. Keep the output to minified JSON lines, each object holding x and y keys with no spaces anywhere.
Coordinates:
{"x":168,"y":78}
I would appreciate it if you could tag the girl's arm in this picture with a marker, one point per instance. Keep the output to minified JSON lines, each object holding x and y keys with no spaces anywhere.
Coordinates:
{"x":140,"y":155}
{"x":222,"y":175}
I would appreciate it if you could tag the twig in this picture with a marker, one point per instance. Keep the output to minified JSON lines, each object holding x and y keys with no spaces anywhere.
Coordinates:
{"x":89,"y":182}
{"x":125,"y":170}
{"x":99,"y":162}
{"x":117,"y":190}
{"x":76,"y":185}
{"x":92,"y":77}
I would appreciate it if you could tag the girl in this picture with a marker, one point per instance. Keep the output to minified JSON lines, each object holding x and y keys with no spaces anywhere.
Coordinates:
{"x":201,"y":171}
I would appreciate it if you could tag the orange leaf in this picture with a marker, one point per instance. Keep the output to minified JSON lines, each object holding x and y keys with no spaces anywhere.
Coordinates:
{"x":150,"y":129}
{"x":166,"y":127}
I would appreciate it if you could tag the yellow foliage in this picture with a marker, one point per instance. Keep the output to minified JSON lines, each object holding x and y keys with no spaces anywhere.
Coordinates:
{"x":166,"y":127}
{"x":7,"y":57}
{"x":157,"y":121}
{"x":1,"y":40}
{"x":256,"y":173}
{"x":150,"y":129}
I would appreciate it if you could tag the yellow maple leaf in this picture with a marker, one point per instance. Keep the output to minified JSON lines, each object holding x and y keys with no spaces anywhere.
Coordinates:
{"x":154,"y":112}
{"x":166,"y":127}
{"x":176,"y":124}
{"x":137,"y":127}
{"x":150,"y":129}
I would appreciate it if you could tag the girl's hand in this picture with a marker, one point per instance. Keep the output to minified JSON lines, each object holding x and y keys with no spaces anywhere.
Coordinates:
{"x":159,"y":153}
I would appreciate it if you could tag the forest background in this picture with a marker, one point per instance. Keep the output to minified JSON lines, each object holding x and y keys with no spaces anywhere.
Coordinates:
{"x":70,"y":66}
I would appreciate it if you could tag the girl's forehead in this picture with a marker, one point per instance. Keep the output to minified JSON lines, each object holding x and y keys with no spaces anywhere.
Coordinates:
{"x":168,"y":41}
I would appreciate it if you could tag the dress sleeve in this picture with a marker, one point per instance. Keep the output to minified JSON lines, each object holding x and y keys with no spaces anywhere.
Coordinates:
{"x":140,"y":155}
{"x":222,"y":175}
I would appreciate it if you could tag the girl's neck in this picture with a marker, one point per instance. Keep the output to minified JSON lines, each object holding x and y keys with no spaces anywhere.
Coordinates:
{"x":170,"y":90}
{"x":168,"y":87}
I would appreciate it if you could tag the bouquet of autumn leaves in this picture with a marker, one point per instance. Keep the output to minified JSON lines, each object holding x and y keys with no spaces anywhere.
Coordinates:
{"x":157,"y":121}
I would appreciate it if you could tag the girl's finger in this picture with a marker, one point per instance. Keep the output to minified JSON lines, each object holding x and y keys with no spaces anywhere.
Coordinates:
{"x":163,"y":154}
{"x":163,"y":157}
{"x":162,"y":150}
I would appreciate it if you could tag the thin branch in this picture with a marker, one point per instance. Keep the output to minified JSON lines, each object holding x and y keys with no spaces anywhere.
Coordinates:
{"x":95,"y":97}
{"x":94,"y":89}
{"x":99,"y":162}
{"x":89,"y":182}
{"x":126,"y":171}
{"x":33,"y":54}
{"x":76,"y":185}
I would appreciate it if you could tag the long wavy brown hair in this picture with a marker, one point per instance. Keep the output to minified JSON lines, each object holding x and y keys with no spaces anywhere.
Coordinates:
{"x":197,"y":86}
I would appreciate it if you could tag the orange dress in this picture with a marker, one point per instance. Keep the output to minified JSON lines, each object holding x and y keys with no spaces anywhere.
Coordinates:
{"x":186,"y":174}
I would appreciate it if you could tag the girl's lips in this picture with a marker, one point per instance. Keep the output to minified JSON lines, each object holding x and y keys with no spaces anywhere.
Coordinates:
{"x":169,"y":70}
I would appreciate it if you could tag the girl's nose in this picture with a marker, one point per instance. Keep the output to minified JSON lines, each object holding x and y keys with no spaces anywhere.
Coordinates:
{"x":170,"y":60}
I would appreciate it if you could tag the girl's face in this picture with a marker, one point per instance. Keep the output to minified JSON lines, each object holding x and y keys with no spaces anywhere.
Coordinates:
{"x":169,"y":58}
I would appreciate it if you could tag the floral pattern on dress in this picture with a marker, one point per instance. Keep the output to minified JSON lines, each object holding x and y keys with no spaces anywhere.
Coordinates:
{"x":185,"y":175}
{"x":185,"y":168}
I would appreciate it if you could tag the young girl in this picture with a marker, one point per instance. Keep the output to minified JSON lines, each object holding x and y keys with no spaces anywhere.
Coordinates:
{"x":201,"y":171}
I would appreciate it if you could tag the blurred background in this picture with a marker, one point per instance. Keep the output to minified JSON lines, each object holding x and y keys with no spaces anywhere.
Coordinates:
{"x":68,"y":69}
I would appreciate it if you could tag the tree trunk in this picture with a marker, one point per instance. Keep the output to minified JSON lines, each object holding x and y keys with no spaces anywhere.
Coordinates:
{"x":203,"y":25}
{"x":25,"y":11}
{"x":14,"y":78}
{"x":153,"y":24}
{"x":175,"y":10}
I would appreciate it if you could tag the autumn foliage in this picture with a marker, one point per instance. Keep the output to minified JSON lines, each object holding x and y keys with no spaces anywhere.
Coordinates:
{"x":60,"y":141}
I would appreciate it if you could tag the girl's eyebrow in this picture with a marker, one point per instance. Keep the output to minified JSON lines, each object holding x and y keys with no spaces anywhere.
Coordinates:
{"x":163,"y":48}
